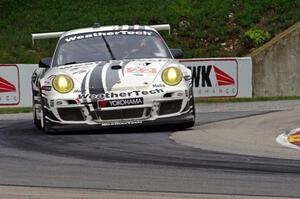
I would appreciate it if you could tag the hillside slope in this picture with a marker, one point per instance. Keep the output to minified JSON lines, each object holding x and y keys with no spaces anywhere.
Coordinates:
{"x":205,"y":28}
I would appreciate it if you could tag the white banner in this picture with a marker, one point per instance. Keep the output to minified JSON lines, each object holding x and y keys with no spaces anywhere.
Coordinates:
{"x":221,"y":77}
{"x":15,"y":84}
{"x":9,"y":85}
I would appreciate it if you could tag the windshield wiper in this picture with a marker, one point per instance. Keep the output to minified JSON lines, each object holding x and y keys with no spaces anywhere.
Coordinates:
{"x":108,"y":47}
{"x":68,"y":63}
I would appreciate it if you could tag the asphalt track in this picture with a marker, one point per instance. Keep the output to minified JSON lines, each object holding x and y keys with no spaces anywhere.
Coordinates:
{"x":144,"y":160}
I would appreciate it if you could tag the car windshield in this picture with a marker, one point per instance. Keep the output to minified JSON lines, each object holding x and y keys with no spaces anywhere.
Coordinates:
{"x":104,"y":46}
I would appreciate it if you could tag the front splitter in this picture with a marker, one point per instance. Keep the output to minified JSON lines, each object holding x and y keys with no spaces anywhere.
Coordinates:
{"x":188,"y":119}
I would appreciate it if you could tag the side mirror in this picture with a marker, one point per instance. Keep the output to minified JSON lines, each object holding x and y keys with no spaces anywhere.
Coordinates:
{"x":176,"y":52}
{"x":45,"y":62}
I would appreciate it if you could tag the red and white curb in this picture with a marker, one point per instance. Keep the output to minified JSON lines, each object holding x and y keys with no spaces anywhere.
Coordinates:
{"x":290,"y":139}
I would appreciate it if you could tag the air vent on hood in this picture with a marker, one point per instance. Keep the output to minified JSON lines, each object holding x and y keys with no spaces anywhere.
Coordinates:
{"x":116,"y":67}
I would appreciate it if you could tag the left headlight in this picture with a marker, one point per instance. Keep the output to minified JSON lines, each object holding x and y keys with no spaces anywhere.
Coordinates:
{"x":172,"y":76}
{"x":63,"y":83}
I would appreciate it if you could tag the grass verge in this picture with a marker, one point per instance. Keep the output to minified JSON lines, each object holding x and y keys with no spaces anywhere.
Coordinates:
{"x":203,"y":28}
{"x":15,"y":110}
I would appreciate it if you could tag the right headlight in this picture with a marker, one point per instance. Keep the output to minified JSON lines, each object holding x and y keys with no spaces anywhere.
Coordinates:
{"x":172,"y":76}
{"x":62,"y":83}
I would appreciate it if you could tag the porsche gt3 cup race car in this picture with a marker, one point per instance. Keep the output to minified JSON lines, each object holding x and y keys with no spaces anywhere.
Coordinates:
{"x":111,"y":76}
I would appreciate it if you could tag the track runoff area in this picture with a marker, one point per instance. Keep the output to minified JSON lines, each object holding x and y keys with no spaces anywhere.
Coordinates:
{"x":231,"y":153}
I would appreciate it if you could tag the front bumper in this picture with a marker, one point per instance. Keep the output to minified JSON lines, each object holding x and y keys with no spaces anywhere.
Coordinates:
{"x":161,"y":108}
{"x":187,"y":118}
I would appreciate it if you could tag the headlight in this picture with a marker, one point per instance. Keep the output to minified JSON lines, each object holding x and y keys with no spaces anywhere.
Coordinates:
{"x":172,"y":76}
{"x":63,"y":83}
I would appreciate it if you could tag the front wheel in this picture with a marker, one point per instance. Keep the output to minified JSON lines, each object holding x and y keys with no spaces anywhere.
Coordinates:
{"x":38,"y":114}
{"x":189,"y":124}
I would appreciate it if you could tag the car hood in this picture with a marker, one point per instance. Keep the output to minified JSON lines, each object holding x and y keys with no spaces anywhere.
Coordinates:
{"x":99,"y":77}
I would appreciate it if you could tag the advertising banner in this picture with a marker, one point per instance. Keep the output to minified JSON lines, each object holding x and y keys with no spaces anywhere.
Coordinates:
{"x":221,"y":77}
{"x":15,"y":85}
{"x":9,"y":85}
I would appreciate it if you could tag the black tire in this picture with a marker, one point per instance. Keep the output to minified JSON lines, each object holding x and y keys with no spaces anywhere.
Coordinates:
{"x":193,"y":104}
{"x":45,"y":127}
{"x":193,"y":110}
{"x":36,"y":122}
{"x":190,"y":123}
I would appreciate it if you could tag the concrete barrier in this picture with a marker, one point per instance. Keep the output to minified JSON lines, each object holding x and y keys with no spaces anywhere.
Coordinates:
{"x":276,"y":65}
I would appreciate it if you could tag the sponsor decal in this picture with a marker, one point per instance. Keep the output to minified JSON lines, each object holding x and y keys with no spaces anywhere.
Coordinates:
{"x":120,"y":102}
{"x":109,"y":33}
{"x":121,"y":123}
{"x":215,"y":79}
{"x":158,"y":85}
{"x":135,"y":93}
{"x":223,"y":79}
{"x":6,"y":86}
{"x":138,"y":74}
{"x":143,"y":70}
{"x":9,"y":85}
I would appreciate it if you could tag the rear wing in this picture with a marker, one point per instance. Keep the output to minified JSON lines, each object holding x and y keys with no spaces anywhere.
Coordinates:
{"x":50,"y":35}
{"x":162,"y":27}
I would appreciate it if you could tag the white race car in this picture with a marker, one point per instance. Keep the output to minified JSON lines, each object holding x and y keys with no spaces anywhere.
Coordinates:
{"x":111,"y":76}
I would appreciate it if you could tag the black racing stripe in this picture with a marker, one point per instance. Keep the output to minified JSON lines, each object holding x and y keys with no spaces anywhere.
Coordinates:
{"x":94,"y":104}
{"x":83,"y":91}
{"x":96,"y":83}
{"x":92,"y":113}
{"x":112,"y":76}
{"x":84,"y":81}
{"x":124,"y":66}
